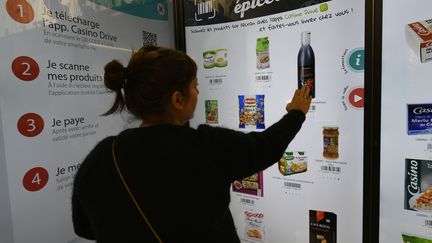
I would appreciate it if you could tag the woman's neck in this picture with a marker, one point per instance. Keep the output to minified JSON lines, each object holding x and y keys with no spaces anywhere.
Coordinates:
{"x":159,"y":120}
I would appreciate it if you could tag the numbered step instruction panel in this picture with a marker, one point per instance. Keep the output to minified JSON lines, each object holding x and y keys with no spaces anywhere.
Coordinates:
{"x":252,"y":56}
{"x":406,"y":123}
{"x":51,"y":100}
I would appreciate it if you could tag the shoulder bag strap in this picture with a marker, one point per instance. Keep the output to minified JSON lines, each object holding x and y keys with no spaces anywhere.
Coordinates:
{"x":133,"y":198}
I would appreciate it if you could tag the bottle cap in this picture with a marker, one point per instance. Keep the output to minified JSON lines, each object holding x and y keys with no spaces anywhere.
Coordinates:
{"x":306,"y":38}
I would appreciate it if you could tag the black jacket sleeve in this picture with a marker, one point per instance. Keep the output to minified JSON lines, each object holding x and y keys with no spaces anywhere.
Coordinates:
{"x":80,"y":215}
{"x":241,"y":154}
{"x":80,"y":220}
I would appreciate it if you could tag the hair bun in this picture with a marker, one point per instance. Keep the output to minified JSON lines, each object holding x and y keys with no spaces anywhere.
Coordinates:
{"x":115,"y":75}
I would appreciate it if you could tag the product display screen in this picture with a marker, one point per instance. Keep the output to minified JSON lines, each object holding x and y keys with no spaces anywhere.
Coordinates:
{"x":406,"y":123}
{"x":251,"y":57}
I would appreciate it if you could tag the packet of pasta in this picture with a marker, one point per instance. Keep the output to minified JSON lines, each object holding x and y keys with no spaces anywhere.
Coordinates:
{"x":251,"y":111}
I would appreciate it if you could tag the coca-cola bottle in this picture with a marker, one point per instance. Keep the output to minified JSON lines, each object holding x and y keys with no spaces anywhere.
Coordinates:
{"x":306,"y":63}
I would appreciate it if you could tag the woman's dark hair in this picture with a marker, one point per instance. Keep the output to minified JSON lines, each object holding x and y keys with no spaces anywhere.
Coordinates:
{"x":151,"y":76}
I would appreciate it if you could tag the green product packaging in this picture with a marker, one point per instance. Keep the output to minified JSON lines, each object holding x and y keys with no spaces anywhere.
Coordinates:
{"x":262,"y":52}
{"x":211,"y":111}
{"x":221,"y":58}
{"x":414,"y":239}
{"x":209,"y":59}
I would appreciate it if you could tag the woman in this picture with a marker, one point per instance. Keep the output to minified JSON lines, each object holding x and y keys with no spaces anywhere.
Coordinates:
{"x":162,"y":181}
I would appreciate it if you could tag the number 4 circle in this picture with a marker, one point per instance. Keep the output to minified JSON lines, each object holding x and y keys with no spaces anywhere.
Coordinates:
{"x":35,"y":179}
{"x":25,"y":68}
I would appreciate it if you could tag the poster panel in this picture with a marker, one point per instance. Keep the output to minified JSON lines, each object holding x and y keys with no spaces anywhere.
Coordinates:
{"x":52,"y":96}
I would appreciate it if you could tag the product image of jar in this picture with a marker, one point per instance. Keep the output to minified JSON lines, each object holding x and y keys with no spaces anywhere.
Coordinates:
{"x":221,"y":58}
{"x":331,"y":142}
{"x":209,"y":59}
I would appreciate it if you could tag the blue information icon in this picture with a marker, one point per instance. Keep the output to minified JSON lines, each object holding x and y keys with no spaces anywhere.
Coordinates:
{"x":355,"y":60}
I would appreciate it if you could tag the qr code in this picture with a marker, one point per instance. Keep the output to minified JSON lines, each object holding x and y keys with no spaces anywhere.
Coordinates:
{"x":149,"y":38}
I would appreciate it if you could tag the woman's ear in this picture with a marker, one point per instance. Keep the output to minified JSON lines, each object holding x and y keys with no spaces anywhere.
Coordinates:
{"x":177,"y":100}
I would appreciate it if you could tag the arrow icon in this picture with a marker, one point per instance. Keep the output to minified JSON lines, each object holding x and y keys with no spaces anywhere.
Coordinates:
{"x":356,"y":97}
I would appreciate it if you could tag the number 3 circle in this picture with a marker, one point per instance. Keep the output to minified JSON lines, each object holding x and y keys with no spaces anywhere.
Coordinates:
{"x":30,"y":124}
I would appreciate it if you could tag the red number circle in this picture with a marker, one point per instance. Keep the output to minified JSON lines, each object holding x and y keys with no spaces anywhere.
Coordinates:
{"x":35,"y":179}
{"x":25,"y":68}
{"x":20,"y":10}
{"x":30,"y":124}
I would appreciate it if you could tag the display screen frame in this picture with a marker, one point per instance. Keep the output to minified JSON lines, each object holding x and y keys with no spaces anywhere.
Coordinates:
{"x":372,"y":110}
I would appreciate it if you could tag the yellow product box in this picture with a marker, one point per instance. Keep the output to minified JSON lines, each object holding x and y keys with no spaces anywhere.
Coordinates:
{"x":419,"y":37}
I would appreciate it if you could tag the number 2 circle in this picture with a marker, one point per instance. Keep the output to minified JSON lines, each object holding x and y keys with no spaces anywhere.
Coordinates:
{"x":25,"y":68}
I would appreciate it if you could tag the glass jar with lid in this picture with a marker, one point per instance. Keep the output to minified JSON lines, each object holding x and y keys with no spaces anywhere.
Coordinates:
{"x":331,"y":142}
